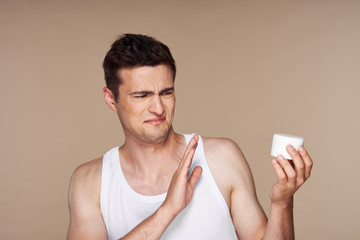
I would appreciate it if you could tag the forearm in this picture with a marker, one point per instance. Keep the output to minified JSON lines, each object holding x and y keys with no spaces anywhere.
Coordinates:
{"x":151,"y":228}
{"x":280,"y":223}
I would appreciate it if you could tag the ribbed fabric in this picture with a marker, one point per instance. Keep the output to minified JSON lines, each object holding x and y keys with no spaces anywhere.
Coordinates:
{"x":206,"y":217}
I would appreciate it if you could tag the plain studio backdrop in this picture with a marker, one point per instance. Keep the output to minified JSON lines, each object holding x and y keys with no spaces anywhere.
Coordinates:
{"x":246,"y":70}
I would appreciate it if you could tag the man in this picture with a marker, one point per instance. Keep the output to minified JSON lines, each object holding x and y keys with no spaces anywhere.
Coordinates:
{"x":161,"y":184}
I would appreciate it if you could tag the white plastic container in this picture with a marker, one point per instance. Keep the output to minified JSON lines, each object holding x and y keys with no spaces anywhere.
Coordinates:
{"x":280,"y":141}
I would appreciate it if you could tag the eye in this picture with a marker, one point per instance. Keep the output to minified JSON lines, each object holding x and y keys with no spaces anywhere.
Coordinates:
{"x":167,"y":93}
{"x":141,"y":96}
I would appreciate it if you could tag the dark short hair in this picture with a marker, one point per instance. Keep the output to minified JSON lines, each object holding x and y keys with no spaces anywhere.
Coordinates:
{"x":133,"y":50}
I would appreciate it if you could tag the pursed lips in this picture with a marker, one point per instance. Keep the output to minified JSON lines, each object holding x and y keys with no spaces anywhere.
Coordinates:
{"x":155,"y":121}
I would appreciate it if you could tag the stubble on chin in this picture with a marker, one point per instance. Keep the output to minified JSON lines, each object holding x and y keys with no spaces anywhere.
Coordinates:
{"x":157,"y":137}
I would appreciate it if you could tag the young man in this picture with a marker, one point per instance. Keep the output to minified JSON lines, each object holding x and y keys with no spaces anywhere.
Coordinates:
{"x":161,"y":184}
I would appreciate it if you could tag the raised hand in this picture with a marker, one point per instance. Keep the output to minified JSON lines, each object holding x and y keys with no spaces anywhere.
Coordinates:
{"x":290,"y":176}
{"x":181,"y":188}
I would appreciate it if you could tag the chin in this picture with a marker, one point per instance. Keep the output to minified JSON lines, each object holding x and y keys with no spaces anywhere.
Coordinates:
{"x":157,"y":137}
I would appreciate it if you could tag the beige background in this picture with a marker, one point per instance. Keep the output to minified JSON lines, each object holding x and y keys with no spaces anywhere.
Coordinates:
{"x":246,"y":69}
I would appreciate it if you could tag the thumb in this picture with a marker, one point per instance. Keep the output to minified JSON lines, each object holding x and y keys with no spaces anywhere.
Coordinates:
{"x":194,"y":177}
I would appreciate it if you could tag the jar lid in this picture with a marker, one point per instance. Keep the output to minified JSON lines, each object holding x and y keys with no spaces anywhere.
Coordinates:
{"x":280,"y":141}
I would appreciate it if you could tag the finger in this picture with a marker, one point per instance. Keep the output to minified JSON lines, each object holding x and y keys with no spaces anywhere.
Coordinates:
{"x":288,"y":169}
{"x":189,"y":158}
{"x":307,"y":161}
{"x":193,"y":141}
{"x":195,"y":175}
{"x":279,"y":171}
{"x":186,"y":163}
{"x":298,"y":163}
{"x":190,"y":147}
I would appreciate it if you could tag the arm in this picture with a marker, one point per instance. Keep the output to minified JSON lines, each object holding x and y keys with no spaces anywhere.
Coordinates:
{"x":230,"y":168}
{"x":86,"y":219}
{"x":281,"y":224}
{"x":84,"y":202}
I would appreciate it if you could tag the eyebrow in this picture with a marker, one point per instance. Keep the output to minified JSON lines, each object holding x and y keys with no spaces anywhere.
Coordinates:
{"x":141,"y":93}
{"x":166,"y":90}
{"x":145,"y":92}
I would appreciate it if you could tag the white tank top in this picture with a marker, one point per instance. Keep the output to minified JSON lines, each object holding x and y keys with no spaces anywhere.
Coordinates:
{"x":207,"y":216}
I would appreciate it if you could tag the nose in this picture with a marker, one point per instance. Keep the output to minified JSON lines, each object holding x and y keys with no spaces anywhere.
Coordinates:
{"x":156,"y":106}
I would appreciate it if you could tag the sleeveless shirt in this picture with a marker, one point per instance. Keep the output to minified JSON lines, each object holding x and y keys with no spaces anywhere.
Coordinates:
{"x":206,"y":217}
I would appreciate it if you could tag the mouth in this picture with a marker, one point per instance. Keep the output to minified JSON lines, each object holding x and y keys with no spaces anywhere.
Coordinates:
{"x":155,"y":121}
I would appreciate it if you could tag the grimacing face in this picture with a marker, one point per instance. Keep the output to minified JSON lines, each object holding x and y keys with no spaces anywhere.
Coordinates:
{"x":146,"y":102}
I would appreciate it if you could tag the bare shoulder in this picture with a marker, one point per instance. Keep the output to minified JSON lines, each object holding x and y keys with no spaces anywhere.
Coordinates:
{"x":88,"y":170}
{"x":228,"y":165}
{"x":227,"y":145}
{"x":84,"y":202}
{"x":234,"y":178}
{"x":223,"y":151}
{"x":85,"y":183}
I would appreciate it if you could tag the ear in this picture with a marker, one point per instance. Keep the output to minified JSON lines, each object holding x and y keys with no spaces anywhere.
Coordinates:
{"x":109,"y":98}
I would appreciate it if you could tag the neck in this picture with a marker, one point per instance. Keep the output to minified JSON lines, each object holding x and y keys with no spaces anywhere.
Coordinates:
{"x":148,"y":158}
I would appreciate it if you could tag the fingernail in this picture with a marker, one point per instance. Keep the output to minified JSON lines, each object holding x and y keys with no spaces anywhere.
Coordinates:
{"x":301,"y":149}
{"x":281,"y":157}
{"x":290,"y":148}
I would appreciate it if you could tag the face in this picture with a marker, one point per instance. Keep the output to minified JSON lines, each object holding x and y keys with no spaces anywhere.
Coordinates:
{"x":146,"y":103}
